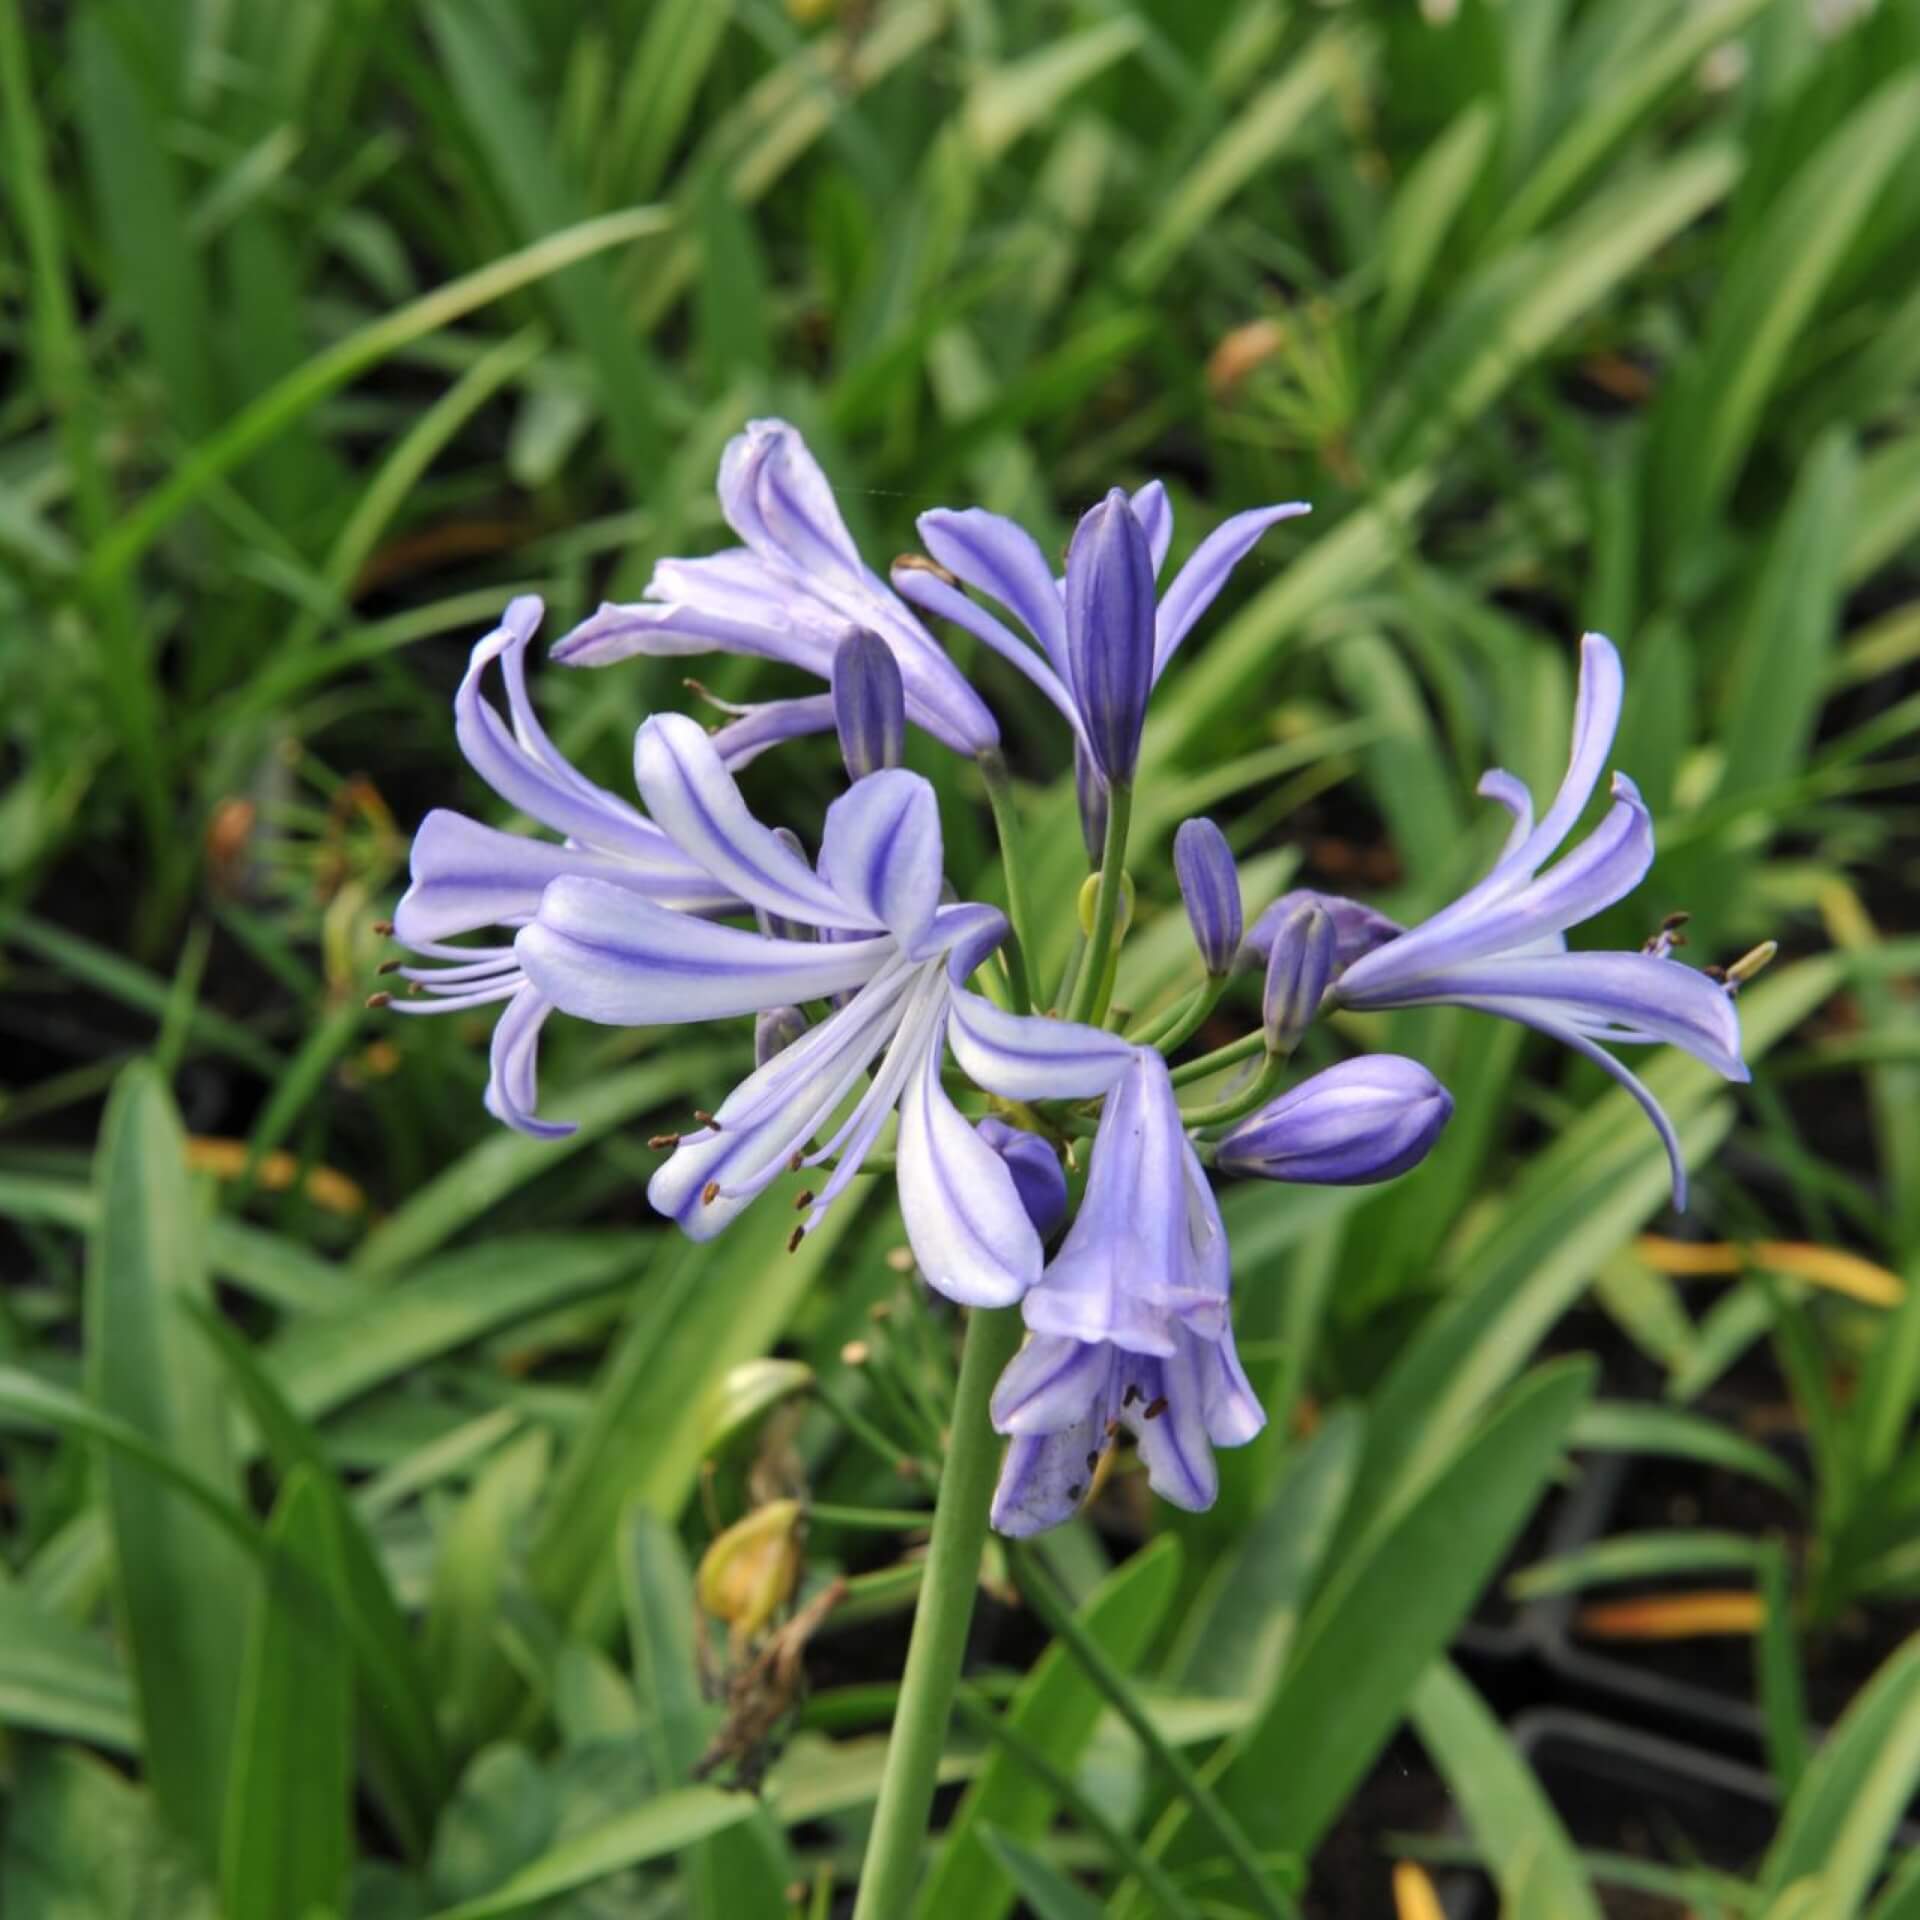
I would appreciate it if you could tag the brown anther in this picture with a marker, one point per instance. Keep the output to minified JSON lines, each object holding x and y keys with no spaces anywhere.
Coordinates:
{"x":795,"y":1162}
{"x":1076,"y":1490}
{"x":793,"y":1243}
{"x":706,"y":1120}
{"x":855,"y":1353}
{"x":1113,"y":1429}
{"x":1093,"y":1460}
{"x":1130,"y":1396}
{"x":920,"y":563}
{"x":379,"y":999}
{"x":663,"y":1142}
{"x":389,"y":966}
{"x":1753,"y":961}
{"x":803,"y":1200}
{"x":1155,"y":1408}
{"x":1716,"y":973}
{"x":1675,"y":921}
{"x":383,"y":928}
{"x":710,"y":1193}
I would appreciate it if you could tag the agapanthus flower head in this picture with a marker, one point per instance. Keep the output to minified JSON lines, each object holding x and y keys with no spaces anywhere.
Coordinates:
{"x":1099,"y":640}
{"x":1363,"y":1120}
{"x":1129,"y":1326}
{"x":1210,"y":890}
{"x":468,"y":877}
{"x":791,"y":593}
{"x":1501,"y":946}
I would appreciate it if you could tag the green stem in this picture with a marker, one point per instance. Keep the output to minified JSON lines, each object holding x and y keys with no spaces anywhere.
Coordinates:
{"x":1260,"y":1089}
{"x":1070,"y":972}
{"x":1210,"y":1063}
{"x":1037,"y":1585}
{"x":1171,"y":1030}
{"x":1090,"y":989}
{"x":1006,"y":824}
{"x":939,"y":1625}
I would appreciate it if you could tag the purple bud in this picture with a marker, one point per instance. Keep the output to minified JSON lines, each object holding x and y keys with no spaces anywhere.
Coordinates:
{"x":1365,"y":1119}
{"x":1210,"y":885}
{"x":1110,"y":612}
{"x":1091,"y":792}
{"x":775,"y":1031}
{"x":1298,"y":969}
{"x":1357,"y":929}
{"x":869,"y":704}
{"x":1037,"y":1176}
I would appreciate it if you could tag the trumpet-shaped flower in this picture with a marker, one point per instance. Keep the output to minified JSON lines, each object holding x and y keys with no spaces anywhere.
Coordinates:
{"x":1100,"y":642}
{"x":791,"y":593}
{"x":468,"y":877}
{"x":1501,"y":946}
{"x":1129,"y":1325}
{"x":888,"y":945}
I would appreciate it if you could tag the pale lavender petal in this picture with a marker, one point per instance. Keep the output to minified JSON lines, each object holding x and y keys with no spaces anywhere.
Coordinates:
{"x":1229,"y":1405}
{"x":1044,"y":1478}
{"x":1363,"y":1120}
{"x":775,"y":1031}
{"x":1109,"y":609}
{"x":968,"y":936}
{"x":512,"y":1091}
{"x":604,"y":954}
{"x":1596,"y":719}
{"x":1624,"y":996}
{"x":1029,"y":1057}
{"x":998,"y":558}
{"x":694,"y":800}
{"x":1511,"y":792}
{"x":778,"y":501}
{"x":1151,"y":509}
{"x":881,"y":853}
{"x":970,"y":1235}
{"x":1196,"y":586}
{"x":1050,"y":1383}
{"x":467,"y":876}
{"x":929,"y":591}
{"x":1173,"y":1444}
{"x":619,"y":630}
{"x":1037,"y":1173}
{"x":771,"y":723}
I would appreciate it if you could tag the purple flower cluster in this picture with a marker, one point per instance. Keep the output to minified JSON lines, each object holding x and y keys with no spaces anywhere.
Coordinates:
{"x":857,"y":966}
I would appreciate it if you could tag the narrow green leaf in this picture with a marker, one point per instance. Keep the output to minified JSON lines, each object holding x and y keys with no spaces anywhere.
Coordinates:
{"x":1782,"y":1691}
{"x":1011,"y":101}
{"x":286,"y":1842}
{"x":1625,"y":1426}
{"x":60,"y":1679}
{"x":1637,"y":1556}
{"x":1424,"y":210}
{"x":182,"y":1583}
{"x":1056,"y":1707}
{"x":1044,"y":1888}
{"x":1516,"y":1830}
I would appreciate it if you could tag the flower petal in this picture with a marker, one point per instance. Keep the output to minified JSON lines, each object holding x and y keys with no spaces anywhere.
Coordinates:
{"x":998,"y":558}
{"x":770,"y":723}
{"x":1151,"y":509}
{"x":1596,"y":719}
{"x":881,"y":853}
{"x":694,"y":800}
{"x":1357,"y":928}
{"x":512,"y":1092}
{"x":929,"y":591}
{"x":1196,"y":586}
{"x":1028,"y":1057}
{"x":1173,"y":1444}
{"x":1044,"y":1478}
{"x":605,"y":954}
{"x":1051,"y":1383}
{"x":778,"y":501}
{"x":1109,"y":609}
{"x":970,"y":1235}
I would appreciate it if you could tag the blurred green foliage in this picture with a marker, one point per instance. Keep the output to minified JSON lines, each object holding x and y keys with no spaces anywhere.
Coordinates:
{"x":333,"y":323}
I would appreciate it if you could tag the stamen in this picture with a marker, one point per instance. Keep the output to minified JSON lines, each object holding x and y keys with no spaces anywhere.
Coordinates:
{"x":379,"y":1000}
{"x":1130,"y":1396}
{"x":707,"y":1120}
{"x":1154,"y":1408}
{"x":1076,"y":1490}
{"x":389,"y":966}
{"x":799,"y":1234}
{"x":663,"y":1142}
{"x":383,"y":928}
{"x":920,"y":563}
{"x":803,"y":1200}
{"x":1093,"y":1460}
{"x":795,"y":1162}
{"x":1113,"y":1429}
{"x":710,"y":1193}
{"x":1753,"y":961}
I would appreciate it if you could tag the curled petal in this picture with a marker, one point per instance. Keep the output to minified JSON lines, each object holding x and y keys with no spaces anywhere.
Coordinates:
{"x":929,"y":591}
{"x":1036,"y":1171}
{"x":1197,"y":585}
{"x":1028,"y":1057}
{"x":881,"y":853}
{"x":1511,"y":792}
{"x":779,"y":502}
{"x":970,"y":1234}
{"x":771,"y":723}
{"x":1596,"y":719}
{"x":968,"y":936}
{"x":695,"y":801}
{"x":604,"y":954}
{"x":512,"y":1091}
{"x":1000,"y":559}
{"x":1151,"y":508}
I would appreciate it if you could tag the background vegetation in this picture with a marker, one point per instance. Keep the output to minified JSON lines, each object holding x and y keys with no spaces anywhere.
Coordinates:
{"x":356,"y":1452}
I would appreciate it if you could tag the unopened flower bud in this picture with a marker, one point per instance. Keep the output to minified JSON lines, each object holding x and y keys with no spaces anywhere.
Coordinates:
{"x":1110,"y":622}
{"x":1357,"y":929}
{"x":1366,"y":1119}
{"x":869,"y":704}
{"x":1091,"y":791}
{"x":1036,"y":1170}
{"x":750,"y":1571}
{"x":775,"y":1031}
{"x":1090,"y":902}
{"x":1298,"y":969}
{"x":1210,"y":886}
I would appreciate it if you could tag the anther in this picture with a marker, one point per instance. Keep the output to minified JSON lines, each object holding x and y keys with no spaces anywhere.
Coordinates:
{"x":389,"y":966}
{"x":803,"y":1200}
{"x":664,"y":1142}
{"x":1076,"y":1490}
{"x":1750,"y":963}
{"x":1154,"y":1408}
{"x":1093,"y":1461}
{"x":795,"y":1162}
{"x":383,"y":928}
{"x":706,"y":1120}
{"x":710,"y":1193}
{"x":1130,"y":1396}
{"x":1113,"y":1429}
{"x":919,"y":563}
{"x":379,"y":999}
{"x":1716,"y":973}
{"x":793,"y":1244}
